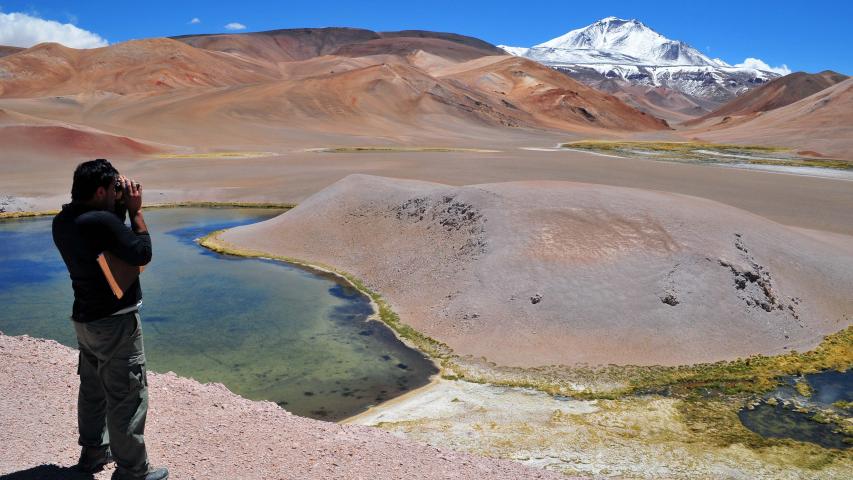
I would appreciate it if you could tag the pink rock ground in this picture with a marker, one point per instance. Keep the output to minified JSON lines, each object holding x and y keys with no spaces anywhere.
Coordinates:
{"x":205,"y":431}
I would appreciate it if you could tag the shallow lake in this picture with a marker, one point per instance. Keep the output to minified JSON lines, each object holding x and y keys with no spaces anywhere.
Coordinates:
{"x":785,"y":422}
{"x":266,"y":329}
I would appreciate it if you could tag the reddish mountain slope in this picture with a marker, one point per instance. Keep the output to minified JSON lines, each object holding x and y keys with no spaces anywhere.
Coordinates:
{"x":67,"y":140}
{"x":775,"y":94}
{"x":281,"y":45}
{"x":303,"y":43}
{"x":135,"y":66}
{"x":5,"y":50}
{"x":552,"y":98}
{"x":821,"y":123}
{"x":263,"y":88}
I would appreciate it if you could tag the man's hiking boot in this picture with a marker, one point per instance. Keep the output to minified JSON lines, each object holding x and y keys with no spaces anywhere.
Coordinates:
{"x":93,"y":459}
{"x":155,"y":474}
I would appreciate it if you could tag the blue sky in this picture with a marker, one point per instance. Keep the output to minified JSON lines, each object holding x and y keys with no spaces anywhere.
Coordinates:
{"x":810,"y":36}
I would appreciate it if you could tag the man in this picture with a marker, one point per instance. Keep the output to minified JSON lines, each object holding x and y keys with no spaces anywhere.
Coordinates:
{"x":113,"y":399}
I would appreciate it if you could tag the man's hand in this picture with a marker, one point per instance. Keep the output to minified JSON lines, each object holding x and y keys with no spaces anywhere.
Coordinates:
{"x":132,"y":199}
{"x":132,"y":196}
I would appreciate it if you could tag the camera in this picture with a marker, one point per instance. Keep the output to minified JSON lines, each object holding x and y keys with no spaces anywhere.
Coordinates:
{"x":119,"y":185}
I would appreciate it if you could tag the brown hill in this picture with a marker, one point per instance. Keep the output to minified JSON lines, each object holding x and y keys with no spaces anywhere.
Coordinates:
{"x":263,"y":88}
{"x":775,"y":94}
{"x":6,"y":50}
{"x":303,"y":43}
{"x":409,"y":45}
{"x":555,"y":100}
{"x":281,"y":45}
{"x":69,"y":141}
{"x":822,"y":123}
{"x":662,"y":102}
{"x":135,"y":66}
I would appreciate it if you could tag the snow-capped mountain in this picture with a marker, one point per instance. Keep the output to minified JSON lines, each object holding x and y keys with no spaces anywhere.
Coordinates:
{"x":616,"y":49}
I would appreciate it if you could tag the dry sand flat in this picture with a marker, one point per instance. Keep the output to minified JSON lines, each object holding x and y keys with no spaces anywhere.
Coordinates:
{"x":207,"y":432}
{"x":541,"y":273}
{"x":813,"y":203}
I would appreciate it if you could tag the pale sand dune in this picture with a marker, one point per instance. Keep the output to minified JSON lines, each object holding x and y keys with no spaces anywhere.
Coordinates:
{"x":625,"y":276}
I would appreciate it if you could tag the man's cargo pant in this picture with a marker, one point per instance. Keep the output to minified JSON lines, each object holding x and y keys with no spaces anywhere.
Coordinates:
{"x":113,"y":398}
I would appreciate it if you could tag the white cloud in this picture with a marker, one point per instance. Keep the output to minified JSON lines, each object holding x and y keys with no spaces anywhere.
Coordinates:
{"x":761,"y":65}
{"x":195,"y":21}
{"x":22,"y":30}
{"x":235,"y":26}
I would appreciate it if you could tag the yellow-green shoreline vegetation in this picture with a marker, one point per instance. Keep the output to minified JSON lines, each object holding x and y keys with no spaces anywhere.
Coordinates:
{"x":214,"y":155}
{"x":11,"y":215}
{"x":399,"y":150}
{"x":205,"y":204}
{"x":697,"y":151}
{"x":752,"y":375}
{"x":655,"y":146}
{"x":199,"y":204}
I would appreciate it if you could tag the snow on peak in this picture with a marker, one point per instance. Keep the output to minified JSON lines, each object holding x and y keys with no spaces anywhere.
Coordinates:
{"x":614,"y":37}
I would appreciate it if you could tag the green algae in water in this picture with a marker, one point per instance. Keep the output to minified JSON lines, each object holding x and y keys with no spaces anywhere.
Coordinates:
{"x":265,"y":329}
{"x":774,"y":419}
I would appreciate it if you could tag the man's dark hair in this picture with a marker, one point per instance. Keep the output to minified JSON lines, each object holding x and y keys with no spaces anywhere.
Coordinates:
{"x":88,"y":176}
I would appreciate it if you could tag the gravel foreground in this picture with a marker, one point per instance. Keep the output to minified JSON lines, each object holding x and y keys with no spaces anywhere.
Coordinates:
{"x":204,"y":431}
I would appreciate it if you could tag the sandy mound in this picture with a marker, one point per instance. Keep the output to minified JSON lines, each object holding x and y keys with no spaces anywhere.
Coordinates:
{"x":205,"y":431}
{"x":534,"y":273}
{"x":822,"y":122}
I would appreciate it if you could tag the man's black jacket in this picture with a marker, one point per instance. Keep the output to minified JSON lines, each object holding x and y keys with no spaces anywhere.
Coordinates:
{"x":81,"y":233}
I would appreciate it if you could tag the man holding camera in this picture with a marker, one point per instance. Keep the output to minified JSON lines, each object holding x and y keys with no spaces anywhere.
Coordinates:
{"x":113,"y":399}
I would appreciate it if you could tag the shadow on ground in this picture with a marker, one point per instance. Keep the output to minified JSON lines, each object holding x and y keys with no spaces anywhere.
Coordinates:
{"x":48,"y":472}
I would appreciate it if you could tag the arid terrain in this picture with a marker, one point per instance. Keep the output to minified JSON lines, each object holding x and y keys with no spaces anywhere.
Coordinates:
{"x":427,"y":168}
